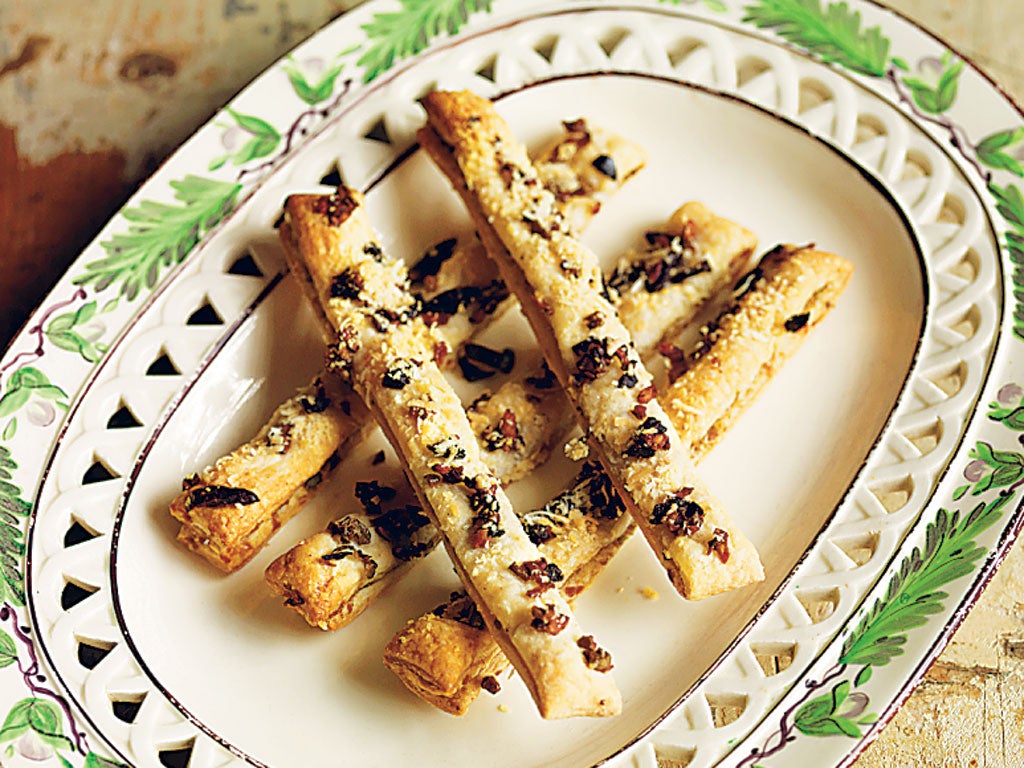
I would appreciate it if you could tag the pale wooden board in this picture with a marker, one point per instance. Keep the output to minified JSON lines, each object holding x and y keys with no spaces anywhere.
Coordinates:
{"x":100,"y":99}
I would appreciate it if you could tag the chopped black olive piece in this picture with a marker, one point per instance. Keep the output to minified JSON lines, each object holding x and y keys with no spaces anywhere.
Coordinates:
{"x":679,"y":514}
{"x":350,"y":529}
{"x":538,"y":532}
{"x":649,"y":438}
{"x":430,"y":263}
{"x":347,"y":285}
{"x":504,"y":360}
{"x":478,"y":362}
{"x":219,"y":496}
{"x":592,"y":359}
{"x":796,"y":322}
{"x":372,"y":495}
{"x":747,"y":283}
{"x":606,"y":165}
{"x":398,"y":376}
{"x":320,"y":401}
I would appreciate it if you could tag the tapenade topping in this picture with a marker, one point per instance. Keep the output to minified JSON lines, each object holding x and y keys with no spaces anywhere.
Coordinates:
{"x":594,"y":656}
{"x":676,"y":358}
{"x":190,"y":481}
{"x":577,"y":131}
{"x":670,"y":260}
{"x":604,"y":500}
{"x":649,"y":438}
{"x":219,"y":496}
{"x":347,"y":550}
{"x":397,"y":527}
{"x":320,"y":401}
{"x":279,"y":437}
{"x":796,"y":322}
{"x":540,"y":572}
{"x":374,"y":251}
{"x":378,"y":458}
{"x":448,"y":448}
{"x":486,"y":523}
{"x":350,"y":529}
{"x":430,"y":263}
{"x":461,"y":609}
{"x":479,"y":362}
{"x":544,"y":380}
{"x":606,"y":165}
{"x":490,"y":684}
{"x":450,"y":474}
{"x":592,"y":359}
{"x":347,"y":284}
{"x":335,"y":207}
{"x":372,"y":495}
{"x":594,"y":320}
{"x":399,"y":375}
{"x":747,"y":283}
{"x":505,"y":437}
{"x":538,"y":533}
{"x":547,"y":619}
{"x":679,"y":514}
{"x":719,"y":544}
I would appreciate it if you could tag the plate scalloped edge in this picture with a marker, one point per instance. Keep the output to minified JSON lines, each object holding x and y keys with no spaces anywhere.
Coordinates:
{"x":910,"y":610}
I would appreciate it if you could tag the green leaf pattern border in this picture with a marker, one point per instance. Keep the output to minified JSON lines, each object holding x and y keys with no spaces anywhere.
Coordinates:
{"x":161,"y":234}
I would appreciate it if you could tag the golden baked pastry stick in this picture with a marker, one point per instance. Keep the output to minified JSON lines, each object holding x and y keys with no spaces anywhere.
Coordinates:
{"x":561,"y":291}
{"x":386,"y":352}
{"x":229,"y":511}
{"x":322,"y":577}
{"x":445,"y":657}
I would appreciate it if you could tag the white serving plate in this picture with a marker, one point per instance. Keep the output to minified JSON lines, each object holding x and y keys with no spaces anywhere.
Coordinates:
{"x":855,"y":473}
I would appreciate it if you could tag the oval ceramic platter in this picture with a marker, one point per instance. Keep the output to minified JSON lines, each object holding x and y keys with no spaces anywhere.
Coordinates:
{"x":878,"y":474}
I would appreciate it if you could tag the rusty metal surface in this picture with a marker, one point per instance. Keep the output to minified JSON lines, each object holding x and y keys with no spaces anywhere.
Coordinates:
{"x":91,"y":101}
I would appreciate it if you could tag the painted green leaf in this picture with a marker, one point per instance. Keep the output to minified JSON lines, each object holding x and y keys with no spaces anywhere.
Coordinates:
{"x":1010,"y":203}
{"x":316,"y":92}
{"x":940,"y":96}
{"x":12,"y":544}
{"x":254,"y":125}
{"x":818,"y":717}
{"x":10,"y":430}
{"x":914,"y":591}
{"x":160,"y":235}
{"x":397,"y":35}
{"x":8,"y":650}
{"x":92,"y":760}
{"x":45,"y":719}
{"x":991,"y":152}
{"x":61,"y":323}
{"x":16,"y":722}
{"x":1013,"y":419}
{"x":27,"y":377}
{"x":833,"y":33}
{"x":862,"y":677}
{"x":716,"y":5}
{"x":814,"y":711}
{"x":13,"y":401}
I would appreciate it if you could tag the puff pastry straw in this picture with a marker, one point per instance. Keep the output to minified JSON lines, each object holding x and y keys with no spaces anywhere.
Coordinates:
{"x":229,"y":511}
{"x":445,"y":657}
{"x":518,"y":423}
{"x":561,"y":291}
{"x":387,"y":354}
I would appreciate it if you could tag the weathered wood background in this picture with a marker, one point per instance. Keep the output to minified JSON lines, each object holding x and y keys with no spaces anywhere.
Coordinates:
{"x":92,"y":100}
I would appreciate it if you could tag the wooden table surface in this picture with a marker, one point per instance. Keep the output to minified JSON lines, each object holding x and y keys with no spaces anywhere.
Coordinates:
{"x":91,"y":102}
